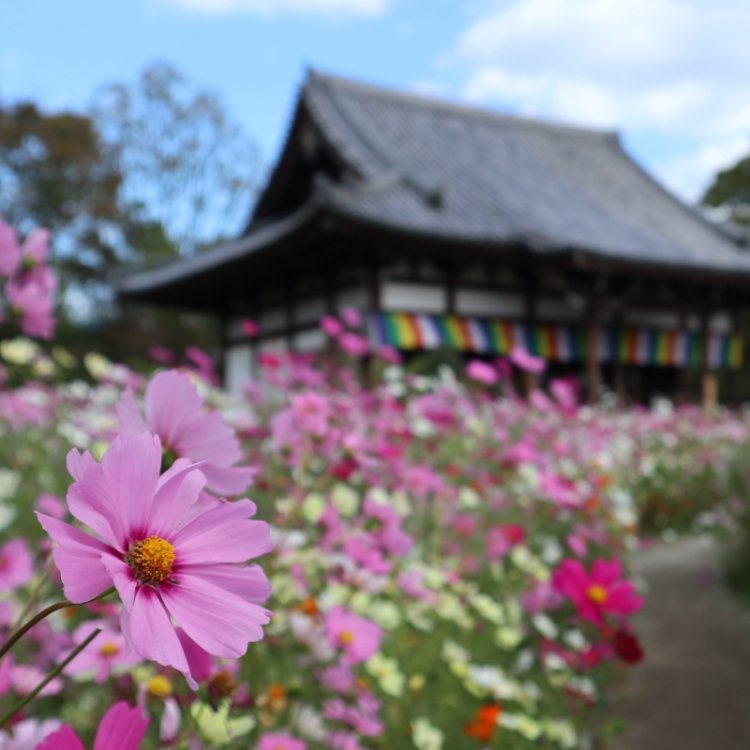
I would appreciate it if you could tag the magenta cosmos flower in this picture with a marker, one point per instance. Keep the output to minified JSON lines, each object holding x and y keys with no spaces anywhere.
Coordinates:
{"x":525,"y":361}
{"x":16,"y":564}
{"x":482,"y":372}
{"x":121,"y":728}
{"x":171,"y":558}
{"x":601,"y":591}
{"x":357,"y":637}
{"x":174,"y":412}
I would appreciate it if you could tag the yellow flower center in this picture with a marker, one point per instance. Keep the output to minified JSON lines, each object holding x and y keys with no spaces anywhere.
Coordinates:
{"x":151,"y":560}
{"x":159,"y":687}
{"x":109,"y":649}
{"x":346,"y":637}
{"x":597,"y":594}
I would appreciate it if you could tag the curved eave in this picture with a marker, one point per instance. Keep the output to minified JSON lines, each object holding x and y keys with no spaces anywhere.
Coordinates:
{"x":207,"y":281}
{"x":537,"y":247}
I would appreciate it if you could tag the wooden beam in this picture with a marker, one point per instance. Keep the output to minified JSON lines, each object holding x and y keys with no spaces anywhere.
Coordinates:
{"x":593,"y":365}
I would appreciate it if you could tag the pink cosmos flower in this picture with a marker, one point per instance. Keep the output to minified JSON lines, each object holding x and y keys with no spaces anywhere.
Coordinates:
{"x":566,"y":393}
{"x":250,"y":328}
{"x":280,"y":741}
{"x":338,"y":678}
{"x":353,"y":344}
{"x":174,"y":411}
{"x":332,"y":326}
{"x":121,"y":728}
{"x":16,"y":564}
{"x":389,"y":354}
{"x":482,"y":372}
{"x":36,"y":247}
{"x":32,"y":300}
{"x":352,"y":317}
{"x":600,"y":592}
{"x":356,"y":636}
{"x":169,"y":556}
{"x":502,"y":538}
{"x":525,"y":361}
{"x":161,"y":354}
{"x":107,"y":651}
{"x":27,"y":734}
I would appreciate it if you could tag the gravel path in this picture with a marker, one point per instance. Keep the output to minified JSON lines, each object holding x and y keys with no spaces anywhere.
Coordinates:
{"x":692,"y":692}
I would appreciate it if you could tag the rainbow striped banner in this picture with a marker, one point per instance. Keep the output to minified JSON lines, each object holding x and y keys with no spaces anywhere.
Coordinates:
{"x":556,"y":343}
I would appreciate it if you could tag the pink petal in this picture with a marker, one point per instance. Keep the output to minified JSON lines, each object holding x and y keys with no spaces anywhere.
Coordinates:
{"x":132,"y":466}
{"x":200,"y":661}
{"x":122,"y":577}
{"x":604,"y":572}
{"x":79,"y":463}
{"x":176,"y":495}
{"x":249,"y":582}
{"x":172,"y":401}
{"x":623,"y":599}
{"x":570,"y":578}
{"x":232,"y":621}
{"x":63,"y":739}
{"x":211,"y":439}
{"x":129,"y":417}
{"x":229,"y":481}
{"x":78,"y":558}
{"x":90,"y":500}
{"x":121,"y":728}
{"x":150,"y":633}
{"x":223,"y":534}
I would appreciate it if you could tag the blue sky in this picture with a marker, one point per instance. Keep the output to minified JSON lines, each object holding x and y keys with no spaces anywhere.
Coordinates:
{"x":670,"y":75}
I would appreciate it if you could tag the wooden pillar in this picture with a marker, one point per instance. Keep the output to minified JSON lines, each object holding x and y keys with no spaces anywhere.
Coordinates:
{"x":683,"y":375}
{"x":709,"y":383}
{"x":735,"y":373}
{"x":593,"y":363}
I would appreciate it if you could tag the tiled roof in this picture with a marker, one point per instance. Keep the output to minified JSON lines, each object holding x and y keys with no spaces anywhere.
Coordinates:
{"x":459,"y":174}
{"x":442,"y":169}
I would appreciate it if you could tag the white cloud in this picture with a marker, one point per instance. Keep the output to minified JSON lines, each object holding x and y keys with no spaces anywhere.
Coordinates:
{"x":669,"y":68}
{"x":692,"y":173}
{"x":278,"y":7}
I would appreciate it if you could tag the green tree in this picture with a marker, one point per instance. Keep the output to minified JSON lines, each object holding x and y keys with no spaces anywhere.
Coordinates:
{"x":731,"y":190}
{"x":186,"y":166}
{"x":55,"y":172}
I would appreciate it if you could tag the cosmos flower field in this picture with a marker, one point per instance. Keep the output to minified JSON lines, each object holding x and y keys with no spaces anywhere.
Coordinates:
{"x":346,"y":556}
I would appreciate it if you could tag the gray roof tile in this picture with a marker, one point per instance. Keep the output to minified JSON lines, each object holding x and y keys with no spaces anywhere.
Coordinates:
{"x":437,"y":168}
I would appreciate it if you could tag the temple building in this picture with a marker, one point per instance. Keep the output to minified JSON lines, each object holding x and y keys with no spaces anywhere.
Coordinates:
{"x":454,"y":227}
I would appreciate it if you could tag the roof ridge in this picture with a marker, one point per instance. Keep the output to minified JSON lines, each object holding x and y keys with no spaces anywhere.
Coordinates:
{"x":457,"y":106}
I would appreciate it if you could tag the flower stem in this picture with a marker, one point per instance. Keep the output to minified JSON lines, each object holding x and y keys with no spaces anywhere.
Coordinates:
{"x":51,"y":676}
{"x":40,"y":616}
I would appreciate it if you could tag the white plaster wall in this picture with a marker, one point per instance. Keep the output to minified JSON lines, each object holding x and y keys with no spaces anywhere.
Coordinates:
{"x":401,"y":296}
{"x":238,"y":367}
{"x":310,"y":341}
{"x":276,"y":345}
{"x":489,"y":304}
